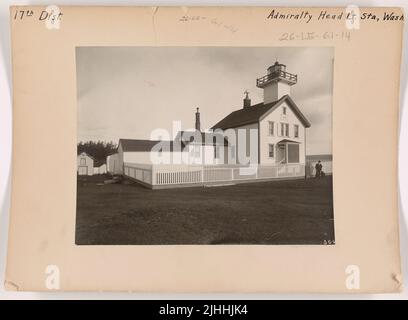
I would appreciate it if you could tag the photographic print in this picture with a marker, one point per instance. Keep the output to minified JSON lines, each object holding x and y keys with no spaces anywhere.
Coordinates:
{"x":204,"y":145}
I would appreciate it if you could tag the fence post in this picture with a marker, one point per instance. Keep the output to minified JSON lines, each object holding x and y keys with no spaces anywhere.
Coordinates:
{"x":153,"y":178}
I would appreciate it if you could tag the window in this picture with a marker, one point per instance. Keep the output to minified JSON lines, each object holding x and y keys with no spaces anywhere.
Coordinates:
{"x":284,"y":111}
{"x":284,"y":129}
{"x":216,"y":152}
{"x":233,"y":151}
{"x":83,"y":162}
{"x":271,"y":128}
{"x":197,"y":151}
{"x":296,"y":131}
{"x":271,"y":151}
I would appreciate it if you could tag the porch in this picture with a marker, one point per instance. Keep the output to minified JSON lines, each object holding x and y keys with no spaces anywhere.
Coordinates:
{"x":171,"y":176}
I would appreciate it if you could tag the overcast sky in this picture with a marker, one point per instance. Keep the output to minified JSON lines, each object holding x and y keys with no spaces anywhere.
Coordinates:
{"x":126,"y":92}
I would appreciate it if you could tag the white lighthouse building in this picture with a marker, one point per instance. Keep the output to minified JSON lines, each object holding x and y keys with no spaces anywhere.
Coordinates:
{"x":280,"y":124}
{"x":262,"y":141}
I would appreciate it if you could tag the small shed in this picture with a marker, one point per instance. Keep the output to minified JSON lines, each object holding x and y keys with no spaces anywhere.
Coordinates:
{"x":85,"y":164}
{"x":100,"y":170}
{"x":114,"y":164}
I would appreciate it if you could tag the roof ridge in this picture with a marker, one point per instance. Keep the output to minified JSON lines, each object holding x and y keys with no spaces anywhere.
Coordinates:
{"x":248,"y":112}
{"x":254,"y":113}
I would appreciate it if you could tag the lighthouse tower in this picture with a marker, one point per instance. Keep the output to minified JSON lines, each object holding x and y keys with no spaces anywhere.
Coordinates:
{"x":276,"y":83}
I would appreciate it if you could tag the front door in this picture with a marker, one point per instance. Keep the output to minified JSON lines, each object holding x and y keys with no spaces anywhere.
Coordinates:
{"x":83,"y":170}
{"x":281,"y":154}
{"x":293,"y":153}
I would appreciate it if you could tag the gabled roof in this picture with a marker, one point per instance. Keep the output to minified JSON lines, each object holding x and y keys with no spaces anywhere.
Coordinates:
{"x":136,"y":145}
{"x":83,"y":154}
{"x":256,"y":112}
{"x":207,"y":138}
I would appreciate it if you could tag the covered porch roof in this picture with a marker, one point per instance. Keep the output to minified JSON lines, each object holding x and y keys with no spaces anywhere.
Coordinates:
{"x":285,"y":141}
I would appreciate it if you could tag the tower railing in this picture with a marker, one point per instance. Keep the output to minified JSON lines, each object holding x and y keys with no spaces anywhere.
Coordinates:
{"x":276,"y":75}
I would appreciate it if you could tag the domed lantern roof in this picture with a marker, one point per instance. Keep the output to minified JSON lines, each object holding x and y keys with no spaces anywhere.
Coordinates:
{"x":276,"y":67}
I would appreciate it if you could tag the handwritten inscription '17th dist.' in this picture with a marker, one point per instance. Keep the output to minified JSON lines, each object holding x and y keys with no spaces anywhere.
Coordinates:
{"x":44,"y":15}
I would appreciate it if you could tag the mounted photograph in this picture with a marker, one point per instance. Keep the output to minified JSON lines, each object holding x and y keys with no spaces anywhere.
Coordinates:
{"x":204,"y":145}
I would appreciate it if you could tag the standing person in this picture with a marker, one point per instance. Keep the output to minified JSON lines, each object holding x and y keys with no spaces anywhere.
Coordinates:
{"x":318,"y":168}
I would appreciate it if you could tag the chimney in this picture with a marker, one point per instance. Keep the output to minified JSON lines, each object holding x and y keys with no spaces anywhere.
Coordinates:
{"x":197,"y":122}
{"x":247,"y":101}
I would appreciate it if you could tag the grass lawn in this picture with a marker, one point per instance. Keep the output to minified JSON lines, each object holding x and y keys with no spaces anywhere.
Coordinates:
{"x":275,"y":212}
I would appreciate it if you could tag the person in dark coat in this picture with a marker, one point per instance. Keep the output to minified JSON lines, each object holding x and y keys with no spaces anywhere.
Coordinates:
{"x":318,"y":168}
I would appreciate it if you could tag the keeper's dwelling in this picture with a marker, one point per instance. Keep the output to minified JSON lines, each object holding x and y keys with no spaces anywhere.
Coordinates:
{"x":265,"y":140}
{"x":280,"y":124}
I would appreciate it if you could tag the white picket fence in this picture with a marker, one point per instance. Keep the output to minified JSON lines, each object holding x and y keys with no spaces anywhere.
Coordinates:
{"x":139,"y":172}
{"x":162,"y":175}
